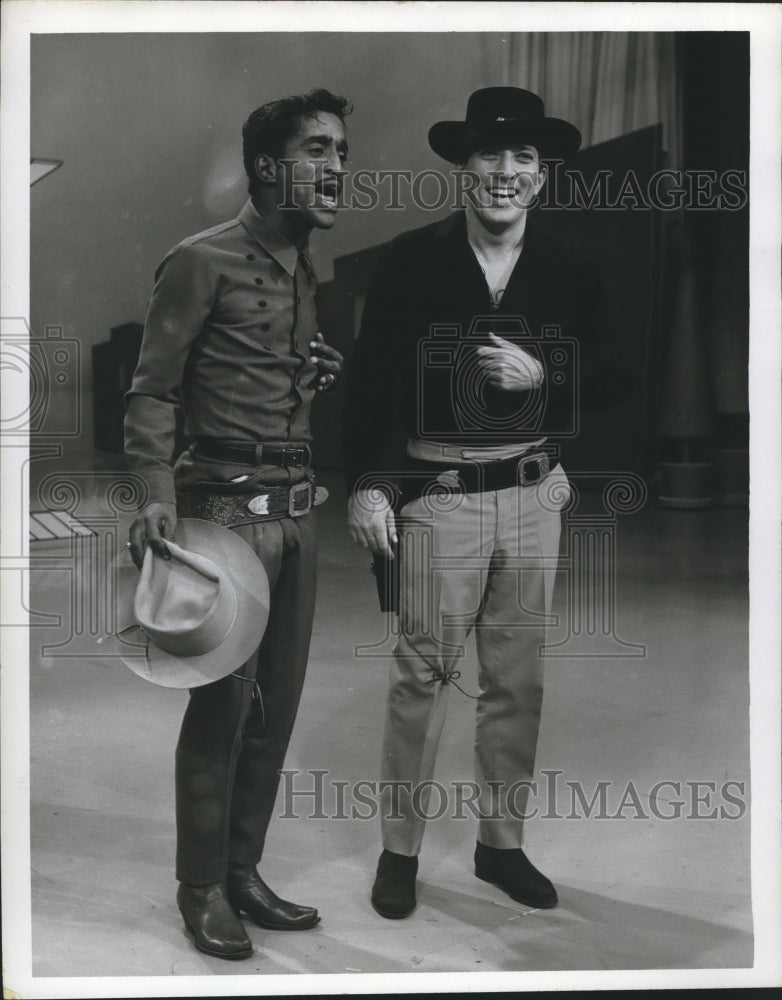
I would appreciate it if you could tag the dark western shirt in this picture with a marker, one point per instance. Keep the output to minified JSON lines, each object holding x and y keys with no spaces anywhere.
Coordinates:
{"x":227,"y":334}
{"x":428,"y":309}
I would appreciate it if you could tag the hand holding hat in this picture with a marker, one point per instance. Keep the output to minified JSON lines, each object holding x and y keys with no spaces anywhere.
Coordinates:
{"x":155,"y":522}
{"x":199,"y":614}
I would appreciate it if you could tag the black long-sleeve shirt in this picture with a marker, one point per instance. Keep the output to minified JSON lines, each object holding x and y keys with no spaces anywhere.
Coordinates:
{"x":429,"y":307}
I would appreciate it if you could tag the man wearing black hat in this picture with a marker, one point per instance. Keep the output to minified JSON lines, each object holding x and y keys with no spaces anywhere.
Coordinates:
{"x":456,"y":339}
{"x":232,"y":330}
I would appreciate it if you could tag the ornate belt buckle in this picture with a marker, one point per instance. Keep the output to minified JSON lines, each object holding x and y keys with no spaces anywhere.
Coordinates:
{"x":303,"y":487}
{"x":542,"y":466}
{"x":259,"y":505}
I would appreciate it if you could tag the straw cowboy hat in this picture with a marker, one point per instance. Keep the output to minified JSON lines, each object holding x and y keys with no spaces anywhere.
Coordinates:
{"x":504,"y":114}
{"x":196,"y":617}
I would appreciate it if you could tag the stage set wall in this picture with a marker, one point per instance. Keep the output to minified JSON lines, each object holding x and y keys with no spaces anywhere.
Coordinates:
{"x":148,"y":128}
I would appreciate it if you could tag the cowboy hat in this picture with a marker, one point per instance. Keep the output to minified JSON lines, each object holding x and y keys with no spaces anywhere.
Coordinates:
{"x":196,"y":617}
{"x":503,"y":114}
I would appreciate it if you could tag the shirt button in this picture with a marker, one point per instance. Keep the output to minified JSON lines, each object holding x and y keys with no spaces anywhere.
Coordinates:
{"x":262,"y":303}
{"x":266,"y":326}
{"x":251,"y":256}
{"x":259,"y":281}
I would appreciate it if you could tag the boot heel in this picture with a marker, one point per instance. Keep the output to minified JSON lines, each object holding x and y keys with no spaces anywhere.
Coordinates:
{"x":213,"y":926}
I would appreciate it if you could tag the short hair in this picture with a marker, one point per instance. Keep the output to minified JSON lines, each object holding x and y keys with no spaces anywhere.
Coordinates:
{"x":271,"y":125}
{"x":476,"y":139}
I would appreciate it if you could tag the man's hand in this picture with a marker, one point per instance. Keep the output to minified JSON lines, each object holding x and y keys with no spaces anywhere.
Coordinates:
{"x":508,"y":366}
{"x":328,"y":361}
{"x":155,"y":522}
{"x":371,"y":521}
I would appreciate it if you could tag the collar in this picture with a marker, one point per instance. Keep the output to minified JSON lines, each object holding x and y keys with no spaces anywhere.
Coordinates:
{"x":458,"y":266}
{"x":477,"y":249}
{"x":453,"y":229}
{"x":269,"y":239}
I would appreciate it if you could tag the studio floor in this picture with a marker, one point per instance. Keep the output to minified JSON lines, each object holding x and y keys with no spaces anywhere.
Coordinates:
{"x":645,"y":701}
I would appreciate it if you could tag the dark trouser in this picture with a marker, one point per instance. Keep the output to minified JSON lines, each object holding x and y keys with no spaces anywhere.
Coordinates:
{"x":232,"y":743}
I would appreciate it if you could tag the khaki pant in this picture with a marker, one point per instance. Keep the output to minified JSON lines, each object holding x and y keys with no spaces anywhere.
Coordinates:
{"x":485,"y":561}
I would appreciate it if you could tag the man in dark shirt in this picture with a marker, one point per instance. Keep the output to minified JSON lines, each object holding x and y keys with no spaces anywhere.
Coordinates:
{"x":481,"y":334}
{"x":232,"y":330}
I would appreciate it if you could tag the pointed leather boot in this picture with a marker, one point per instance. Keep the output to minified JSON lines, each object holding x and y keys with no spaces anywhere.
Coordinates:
{"x":393,"y":894}
{"x":511,"y":871}
{"x":248,"y":893}
{"x":214,"y":925}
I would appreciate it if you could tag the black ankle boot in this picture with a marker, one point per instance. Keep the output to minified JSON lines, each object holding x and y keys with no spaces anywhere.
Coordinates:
{"x":248,"y":893}
{"x":511,"y":871}
{"x":393,"y":894}
{"x":214,"y":925}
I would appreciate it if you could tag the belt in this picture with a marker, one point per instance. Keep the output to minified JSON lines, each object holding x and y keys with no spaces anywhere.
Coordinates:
{"x":426,"y":477}
{"x":249,"y":453}
{"x":232,"y":509}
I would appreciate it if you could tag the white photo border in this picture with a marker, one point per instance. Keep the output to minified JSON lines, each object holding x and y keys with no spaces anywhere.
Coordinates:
{"x":23,"y":18}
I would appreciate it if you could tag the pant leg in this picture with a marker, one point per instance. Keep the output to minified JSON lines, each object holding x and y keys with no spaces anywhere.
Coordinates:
{"x":211,"y":748}
{"x":444,"y":555}
{"x":280,"y":672}
{"x":510,"y":633}
{"x":206,"y":755}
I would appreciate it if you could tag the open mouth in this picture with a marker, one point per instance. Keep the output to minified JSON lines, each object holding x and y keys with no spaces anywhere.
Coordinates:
{"x":327,"y":195}
{"x":503,"y":195}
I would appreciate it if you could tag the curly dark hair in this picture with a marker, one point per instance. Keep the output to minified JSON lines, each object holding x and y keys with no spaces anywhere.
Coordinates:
{"x":271,"y":125}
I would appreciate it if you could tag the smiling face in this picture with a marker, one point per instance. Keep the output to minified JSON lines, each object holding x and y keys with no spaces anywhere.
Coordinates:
{"x":506,"y":179}
{"x":310,"y":171}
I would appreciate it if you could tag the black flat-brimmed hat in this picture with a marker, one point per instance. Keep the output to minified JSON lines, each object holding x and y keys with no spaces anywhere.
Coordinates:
{"x":502,"y":114}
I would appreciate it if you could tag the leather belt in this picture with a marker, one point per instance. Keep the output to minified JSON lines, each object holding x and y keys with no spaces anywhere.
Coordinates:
{"x":429,"y":477}
{"x":232,"y":509}
{"x":249,"y":453}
